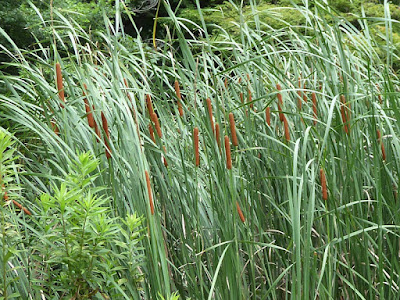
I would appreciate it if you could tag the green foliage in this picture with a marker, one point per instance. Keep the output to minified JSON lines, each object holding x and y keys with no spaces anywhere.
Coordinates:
{"x":78,"y":233}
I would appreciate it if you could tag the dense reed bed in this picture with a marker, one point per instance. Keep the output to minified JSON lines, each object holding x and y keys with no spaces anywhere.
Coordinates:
{"x":292,"y":194}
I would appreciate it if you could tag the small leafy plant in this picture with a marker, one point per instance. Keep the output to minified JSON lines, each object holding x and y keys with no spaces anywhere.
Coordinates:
{"x":77,"y":254}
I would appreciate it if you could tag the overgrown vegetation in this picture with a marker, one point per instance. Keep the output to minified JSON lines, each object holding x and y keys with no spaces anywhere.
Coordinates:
{"x":264,"y":161}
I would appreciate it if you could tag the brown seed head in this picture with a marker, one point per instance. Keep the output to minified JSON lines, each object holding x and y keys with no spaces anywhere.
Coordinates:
{"x":323,"y":184}
{"x":178,"y":95}
{"x":210,"y":114}
{"x":233,"y":130}
{"x":149,"y":105}
{"x":268,"y":115}
{"x":280,"y":102}
{"x":314,"y":101}
{"x":241,"y":216}
{"x":286,"y":126}
{"x":228,"y":153}
{"x":149,"y":192}
{"x":217,"y":135}
{"x":60,"y":85}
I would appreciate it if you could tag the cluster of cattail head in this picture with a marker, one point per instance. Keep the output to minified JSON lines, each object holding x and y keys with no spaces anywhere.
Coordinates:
{"x":378,"y":133}
{"x":178,"y":95}
{"x":150,"y":194}
{"x":17,"y":204}
{"x":323,"y":184}
{"x":345,"y":112}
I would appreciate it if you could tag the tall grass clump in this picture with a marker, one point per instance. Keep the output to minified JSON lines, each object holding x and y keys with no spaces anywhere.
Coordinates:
{"x":302,"y":205}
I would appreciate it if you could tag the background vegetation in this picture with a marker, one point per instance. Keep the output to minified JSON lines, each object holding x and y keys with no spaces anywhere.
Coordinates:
{"x":251,"y":152}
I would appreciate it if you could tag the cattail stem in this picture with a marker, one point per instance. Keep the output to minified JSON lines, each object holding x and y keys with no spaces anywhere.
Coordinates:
{"x":210,"y":114}
{"x":228,"y":153}
{"x":314,"y":101}
{"x":249,"y":98}
{"x":60,"y":85}
{"x":305,"y":99}
{"x":107,"y":136}
{"x":233,"y":130}
{"x":323,"y":184}
{"x":286,"y":126}
{"x":280,"y":102}
{"x":196,"y":146}
{"x":382,"y":146}
{"x":268,"y":115}
{"x":178,"y":95}
{"x":157,"y":124}
{"x":164,"y":158}
{"x":149,"y":192}
{"x":217,"y":135}
{"x":241,"y":216}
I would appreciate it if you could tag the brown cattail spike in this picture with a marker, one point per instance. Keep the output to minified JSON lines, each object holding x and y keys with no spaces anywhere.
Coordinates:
{"x":226,"y":83}
{"x":241,"y":97}
{"x":228,"y":153}
{"x":164,"y":158}
{"x":210,"y":114}
{"x":178,"y":95}
{"x":280,"y":102}
{"x":304,"y":93}
{"x":241,"y":216}
{"x":89,"y":113}
{"x":217,"y":135}
{"x":233,"y":130}
{"x":382,"y":146}
{"x":323,"y":184}
{"x":107,"y":137}
{"x":60,"y":85}
{"x":314,"y":101}
{"x":286,"y":126}
{"x":268,"y":115}
{"x":157,"y":124}
{"x":345,"y":114}
{"x":151,"y":133}
{"x":149,"y":105}
{"x":196,"y":146}
{"x":149,"y":192}
{"x":55,"y":127}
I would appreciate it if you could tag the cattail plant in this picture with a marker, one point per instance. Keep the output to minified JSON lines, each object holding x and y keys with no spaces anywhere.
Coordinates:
{"x":196,"y":146}
{"x":241,"y":97}
{"x":107,"y":136}
{"x":323,"y":184}
{"x":233,"y":130}
{"x":286,"y":127}
{"x":149,"y":192}
{"x":178,"y":95}
{"x":378,"y":133}
{"x":89,"y":113}
{"x":152,"y":133}
{"x":228,"y":153}
{"x":314,"y":101}
{"x":345,"y":114}
{"x":154,"y":118}
{"x":60,"y":85}
{"x":164,"y":158}
{"x":149,"y":105}
{"x":127,"y":93}
{"x":280,"y":102}
{"x":241,"y":216}
{"x":210,"y":114}
{"x":226,"y":82}
{"x":217,"y":135}
{"x":268,"y":115}
{"x":17,"y":204}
